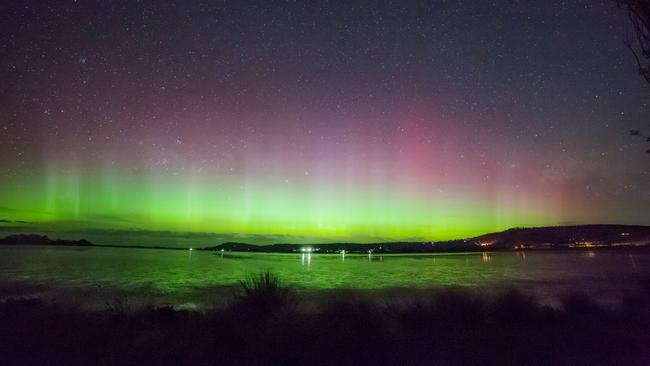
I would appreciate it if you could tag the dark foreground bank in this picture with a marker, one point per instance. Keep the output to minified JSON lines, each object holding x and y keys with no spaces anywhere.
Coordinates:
{"x":265,"y":324}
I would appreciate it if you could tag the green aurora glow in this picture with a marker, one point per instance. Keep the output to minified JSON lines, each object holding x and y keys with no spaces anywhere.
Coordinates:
{"x":74,"y":203}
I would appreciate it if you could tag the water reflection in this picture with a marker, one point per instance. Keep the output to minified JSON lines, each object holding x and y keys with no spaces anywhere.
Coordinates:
{"x":486,"y":257}
{"x":305,"y":258}
{"x":170,"y":275}
{"x":632,"y":261}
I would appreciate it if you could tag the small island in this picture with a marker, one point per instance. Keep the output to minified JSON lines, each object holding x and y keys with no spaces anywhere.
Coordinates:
{"x":35,"y":239}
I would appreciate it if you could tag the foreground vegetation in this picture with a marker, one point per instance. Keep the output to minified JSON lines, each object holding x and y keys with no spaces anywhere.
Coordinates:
{"x":266,"y":324}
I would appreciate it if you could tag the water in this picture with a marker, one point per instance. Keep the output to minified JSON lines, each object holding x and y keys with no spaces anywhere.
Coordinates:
{"x":196,"y":278}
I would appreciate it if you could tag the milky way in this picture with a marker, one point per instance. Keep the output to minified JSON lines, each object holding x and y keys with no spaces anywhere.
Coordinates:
{"x":319,"y":120}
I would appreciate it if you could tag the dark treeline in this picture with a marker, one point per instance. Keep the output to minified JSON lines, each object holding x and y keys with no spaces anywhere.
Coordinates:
{"x":266,"y":324}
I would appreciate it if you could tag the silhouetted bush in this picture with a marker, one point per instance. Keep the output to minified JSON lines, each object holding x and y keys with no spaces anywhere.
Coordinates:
{"x":263,"y":297}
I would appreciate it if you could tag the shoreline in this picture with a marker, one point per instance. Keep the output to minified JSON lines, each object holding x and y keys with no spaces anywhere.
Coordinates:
{"x":266,"y":323}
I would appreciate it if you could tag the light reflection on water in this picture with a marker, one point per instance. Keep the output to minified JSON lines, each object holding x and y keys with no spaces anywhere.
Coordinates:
{"x":170,"y":273}
{"x":486,"y":257}
{"x":305,"y":259}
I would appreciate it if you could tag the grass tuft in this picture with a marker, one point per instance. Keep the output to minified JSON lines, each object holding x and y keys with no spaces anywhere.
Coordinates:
{"x":264,"y":296}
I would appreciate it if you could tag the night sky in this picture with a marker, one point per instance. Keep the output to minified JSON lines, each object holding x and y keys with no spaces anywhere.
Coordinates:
{"x":317,"y":121}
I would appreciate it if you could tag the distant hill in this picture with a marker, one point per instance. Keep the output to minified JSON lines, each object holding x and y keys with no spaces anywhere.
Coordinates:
{"x":33,"y":239}
{"x":566,"y":236}
{"x":511,"y":239}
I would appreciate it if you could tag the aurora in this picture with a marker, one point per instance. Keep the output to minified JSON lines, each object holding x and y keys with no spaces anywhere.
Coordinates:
{"x":255,"y":129}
